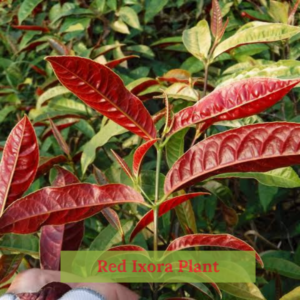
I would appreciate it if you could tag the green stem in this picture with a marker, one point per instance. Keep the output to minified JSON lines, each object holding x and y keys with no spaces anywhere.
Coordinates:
{"x":156,"y":207}
{"x":206,"y":66}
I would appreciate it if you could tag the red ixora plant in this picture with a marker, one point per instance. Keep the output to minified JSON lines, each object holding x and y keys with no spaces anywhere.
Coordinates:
{"x":59,"y":210}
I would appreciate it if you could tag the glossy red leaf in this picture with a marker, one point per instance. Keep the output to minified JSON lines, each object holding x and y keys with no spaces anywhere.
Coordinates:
{"x":214,"y":240}
{"x":31,"y":27}
{"x":62,"y":205}
{"x":127,"y":248}
{"x":139,"y":155}
{"x":19,"y":163}
{"x":122,"y":163}
{"x":104,"y":91}
{"x":216,"y":19}
{"x":238,"y":100}
{"x":55,"y":239}
{"x":114,"y":63}
{"x":47,"y":163}
{"x":163,"y":208}
{"x":253,"y":148}
{"x":64,"y":177}
{"x":9,"y":265}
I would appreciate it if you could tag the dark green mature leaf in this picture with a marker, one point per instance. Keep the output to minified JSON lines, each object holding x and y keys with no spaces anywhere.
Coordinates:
{"x":282,"y":266}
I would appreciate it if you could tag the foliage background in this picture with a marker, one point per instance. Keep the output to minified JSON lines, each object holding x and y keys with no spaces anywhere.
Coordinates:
{"x":266,"y":216}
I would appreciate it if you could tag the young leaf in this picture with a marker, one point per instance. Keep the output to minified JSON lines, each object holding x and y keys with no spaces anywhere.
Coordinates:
{"x":105,"y":92}
{"x":163,"y":208}
{"x":47,"y":163}
{"x":9,"y":265}
{"x":61,"y":237}
{"x":99,"y":176}
{"x":31,"y":28}
{"x":55,"y":239}
{"x":263,"y":33}
{"x":242,"y":290}
{"x":122,"y":163}
{"x":253,"y":148}
{"x":26,"y":9}
{"x":139,"y":155}
{"x":237,"y":100}
{"x":215,"y":240}
{"x":114,"y":63}
{"x":129,"y":16}
{"x":62,"y":205}
{"x":59,"y":138}
{"x":112,"y":217}
{"x":197,"y":40}
{"x":19,"y":163}
{"x":216,"y":19}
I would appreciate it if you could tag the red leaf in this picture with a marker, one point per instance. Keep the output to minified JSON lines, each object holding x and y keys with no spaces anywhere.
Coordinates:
{"x":127,"y":248}
{"x":114,"y":63}
{"x":19,"y":163}
{"x":64,"y":177}
{"x":216,"y":19}
{"x":99,"y":176}
{"x":122,"y":163}
{"x":104,"y":91}
{"x":47,"y":163}
{"x":55,"y":239}
{"x":253,"y":148}
{"x":238,"y":100}
{"x":143,"y":86}
{"x":62,"y":205}
{"x":215,"y":240}
{"x":31,"y":27}
{"x":139,"y":155}
{"x":9,"y":265}
{"x":112,"y":217}
{"x":163,"y":208}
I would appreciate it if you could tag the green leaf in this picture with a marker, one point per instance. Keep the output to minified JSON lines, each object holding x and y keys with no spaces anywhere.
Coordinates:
{"x":130,"y":17}
{"x":186,"y":216}
{"x":120,"y":26}
{"x":4,"y":112}
{"x":175,"y":147}
{"x":110,"y":236}
{"x":147,"y":180}
{"x":51,"y":93}
{"x":26,"y":8}
{"x":284,"y":69}
{"x":261,"y":33}
{"x":153,"y":7}
{"x":266,"y":195}
{"x":279,"y":11}
{"x":197,"y":40}
{"x":282,"y":266}
{"x":282,"y":177}
{"x":100,"y":139}
{"x":85,"y":128}
{"x":247,"y":291}
{"x":293,"y":295}
{"x":15,"y":243}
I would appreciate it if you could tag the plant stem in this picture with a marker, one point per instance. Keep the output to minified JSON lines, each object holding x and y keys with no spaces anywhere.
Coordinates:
{"x":156,"y":207}
{"x":206,"y":66}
